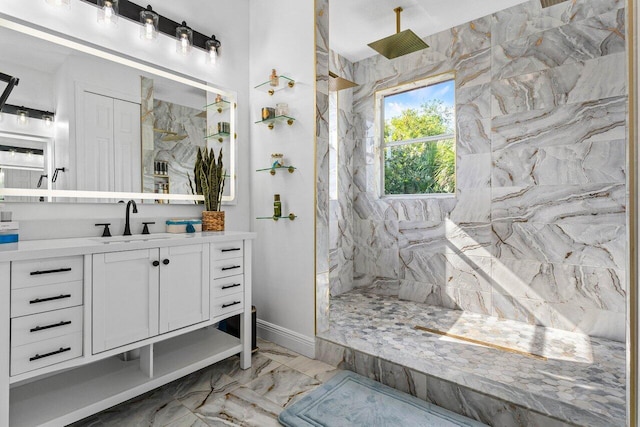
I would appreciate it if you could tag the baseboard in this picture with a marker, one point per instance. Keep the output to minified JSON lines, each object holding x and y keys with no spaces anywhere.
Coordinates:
{"x":286,"y":338}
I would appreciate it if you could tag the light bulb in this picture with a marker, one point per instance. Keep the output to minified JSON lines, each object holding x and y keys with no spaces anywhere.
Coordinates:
{"x":108,"y":11}
{"x":149,"y":20}
{"x":184,"y":37}
{"x":48,"y":120}
{"x":149,"y":30}
{"x":213,"y":56}
{"x":22,"y":117}
{"x":184,"y":44}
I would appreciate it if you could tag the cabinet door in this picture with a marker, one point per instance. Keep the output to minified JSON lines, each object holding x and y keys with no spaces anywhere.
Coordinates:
{"x":125,"y":298}
{"x":184,"y":286}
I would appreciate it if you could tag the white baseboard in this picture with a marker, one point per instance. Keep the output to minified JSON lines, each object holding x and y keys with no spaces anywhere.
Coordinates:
{"x":286,"y":338}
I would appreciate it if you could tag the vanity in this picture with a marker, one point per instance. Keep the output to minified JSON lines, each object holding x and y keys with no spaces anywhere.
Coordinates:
{"x":70,"y":307}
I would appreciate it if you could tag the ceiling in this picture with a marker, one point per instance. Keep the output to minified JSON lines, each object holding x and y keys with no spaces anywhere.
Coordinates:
{"x":354,"y":23}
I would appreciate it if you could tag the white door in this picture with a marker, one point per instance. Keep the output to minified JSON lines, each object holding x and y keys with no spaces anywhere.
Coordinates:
{"x":95,"y":144}
{"x":184,"y":286}
{"x":127,"y":148}
{"x":125,"y":298}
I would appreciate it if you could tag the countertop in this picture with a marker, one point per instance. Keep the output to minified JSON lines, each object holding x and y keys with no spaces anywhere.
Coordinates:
{"x":51,"y":248}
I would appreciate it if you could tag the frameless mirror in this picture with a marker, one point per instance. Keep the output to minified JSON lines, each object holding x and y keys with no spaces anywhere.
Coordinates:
{"x":122,"y":130}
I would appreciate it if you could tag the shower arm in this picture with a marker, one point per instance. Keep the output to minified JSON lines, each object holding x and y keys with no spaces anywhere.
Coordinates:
{"x":397,"y":10}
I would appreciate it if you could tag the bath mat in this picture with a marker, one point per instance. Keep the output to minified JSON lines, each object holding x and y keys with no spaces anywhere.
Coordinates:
{"x":351,"y":400}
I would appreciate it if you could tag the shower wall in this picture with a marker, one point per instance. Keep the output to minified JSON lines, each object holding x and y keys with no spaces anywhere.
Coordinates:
{"x":341,"y":207}
{"x":536,"y":229}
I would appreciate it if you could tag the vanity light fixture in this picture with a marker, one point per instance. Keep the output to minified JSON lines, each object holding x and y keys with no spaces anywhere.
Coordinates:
{"x":22,"y":116}
{"x":212,"y":46}
{"x":48,"y":120}
{"x":149,"y":20}
{"x":59,"y":3}
{"x":108,"y":12}
{"x":184,"y":39}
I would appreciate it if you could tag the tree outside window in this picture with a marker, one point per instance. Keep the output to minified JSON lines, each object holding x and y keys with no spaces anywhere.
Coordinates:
{"x":419,"y":140}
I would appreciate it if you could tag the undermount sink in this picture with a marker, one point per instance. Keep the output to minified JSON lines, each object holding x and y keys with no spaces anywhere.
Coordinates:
{"x":137,"y":238}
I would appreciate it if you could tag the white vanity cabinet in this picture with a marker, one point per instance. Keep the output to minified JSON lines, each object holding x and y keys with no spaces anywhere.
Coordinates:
{"x":140,"y":294}
{"x":65,"y":319}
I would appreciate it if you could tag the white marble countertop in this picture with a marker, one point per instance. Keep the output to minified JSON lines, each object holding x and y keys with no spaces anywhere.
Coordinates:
{"x":51,"y":248}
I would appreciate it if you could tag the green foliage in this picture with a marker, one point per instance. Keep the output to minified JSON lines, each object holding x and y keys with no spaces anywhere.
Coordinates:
{"x":422,"y":167}
{"x":208,"y":174}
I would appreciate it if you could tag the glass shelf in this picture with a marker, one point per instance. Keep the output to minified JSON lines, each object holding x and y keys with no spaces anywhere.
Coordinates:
{"x":219,"y":106}
{"x":220,"y":136}
{"x":275,"y":218}
{"x":271,"y":122}
{"x":272,"y":170}
{"x":283,"y":83}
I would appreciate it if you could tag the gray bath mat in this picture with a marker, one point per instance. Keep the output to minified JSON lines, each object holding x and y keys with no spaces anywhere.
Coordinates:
{"x":351,"y":400}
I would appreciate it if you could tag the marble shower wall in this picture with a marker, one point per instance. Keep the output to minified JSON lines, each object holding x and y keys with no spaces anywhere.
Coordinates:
{"x":341,"y":248}
{"x":322,"y":164}
{"x":536,"y":229}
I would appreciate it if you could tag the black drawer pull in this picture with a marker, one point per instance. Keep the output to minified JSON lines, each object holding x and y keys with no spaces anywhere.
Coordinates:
{"x":235,"y":285}
{"x":38,"y":300}
{"x":230,"y":268}
{"x":230,"y":250}
{"x":230,"y":304}
{"x":55,"y":325}
{"x":57,"y":270}
{"x":53,"y":353}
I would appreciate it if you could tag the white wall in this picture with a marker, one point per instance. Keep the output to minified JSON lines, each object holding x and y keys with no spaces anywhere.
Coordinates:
{"x":227,"y":19}
{"x":282,"y":37}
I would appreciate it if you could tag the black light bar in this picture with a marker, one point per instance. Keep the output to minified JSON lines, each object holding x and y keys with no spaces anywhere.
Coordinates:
{"x":33,"y":113}
{"x":166,"y":26}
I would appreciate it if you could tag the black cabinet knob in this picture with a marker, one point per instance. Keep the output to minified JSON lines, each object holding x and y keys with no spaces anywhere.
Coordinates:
{"x":165,"y":261}
{"x":155,"y":263}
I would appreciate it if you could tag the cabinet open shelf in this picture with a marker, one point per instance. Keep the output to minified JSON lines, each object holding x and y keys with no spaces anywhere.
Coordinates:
{"x":272,"y":170}
{"x":77,"y":393}
{"x":284,"y":82}
{"x":271,"y":122}
{"x":219,"y":106}
{"x":291,"y":217}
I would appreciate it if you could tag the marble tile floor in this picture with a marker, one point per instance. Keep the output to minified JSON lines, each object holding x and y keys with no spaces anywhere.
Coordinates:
{"x":223,"y":394}
{"x":581,"y":382}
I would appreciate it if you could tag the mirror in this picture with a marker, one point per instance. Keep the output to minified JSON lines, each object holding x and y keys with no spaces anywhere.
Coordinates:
{"x":122,"y":130}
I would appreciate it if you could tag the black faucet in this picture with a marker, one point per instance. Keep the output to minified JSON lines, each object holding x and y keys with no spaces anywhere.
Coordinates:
{"x":127,"y":230}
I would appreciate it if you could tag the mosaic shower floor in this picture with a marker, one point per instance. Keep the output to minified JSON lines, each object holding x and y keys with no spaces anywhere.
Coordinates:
{"x":568,"y":376}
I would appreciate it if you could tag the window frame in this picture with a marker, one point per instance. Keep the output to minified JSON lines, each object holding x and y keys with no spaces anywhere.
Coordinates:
{"x":381,"y":145}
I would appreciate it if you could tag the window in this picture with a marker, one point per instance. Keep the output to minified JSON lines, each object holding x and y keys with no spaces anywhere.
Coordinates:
{"x":418,"y":145}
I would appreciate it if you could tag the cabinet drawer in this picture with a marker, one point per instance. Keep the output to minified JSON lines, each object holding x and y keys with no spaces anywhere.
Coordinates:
{"x":43,"y":326}
{"x":229,"y":304}
{"x":25,"y":274}
{"x":227,"y":250}
{"x":227,"y":267}
{"x":44,"y":353}
{"x":227,"y":286}
{"x":45,"y":298}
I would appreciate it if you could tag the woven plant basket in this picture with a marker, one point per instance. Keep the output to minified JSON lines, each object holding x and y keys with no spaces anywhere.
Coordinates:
{"x":213,"y":221}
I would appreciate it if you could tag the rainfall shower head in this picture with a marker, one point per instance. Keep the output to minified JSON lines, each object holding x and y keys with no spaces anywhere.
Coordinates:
{"x":549,"y":3}
{"x":399,"y":44}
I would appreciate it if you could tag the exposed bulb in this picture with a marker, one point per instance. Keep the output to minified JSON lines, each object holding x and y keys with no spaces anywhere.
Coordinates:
{"x":212,"y":57}
{"x":184,"y":44}
{"x":22,"y":117}
{"x":149,"y":31}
